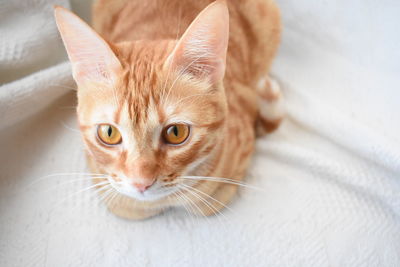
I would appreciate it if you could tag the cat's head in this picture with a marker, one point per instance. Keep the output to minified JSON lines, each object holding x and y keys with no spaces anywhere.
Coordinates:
{"x":150,"y":111}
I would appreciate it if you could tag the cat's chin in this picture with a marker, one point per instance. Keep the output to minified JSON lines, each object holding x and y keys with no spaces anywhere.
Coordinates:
{"x":146,"y":196}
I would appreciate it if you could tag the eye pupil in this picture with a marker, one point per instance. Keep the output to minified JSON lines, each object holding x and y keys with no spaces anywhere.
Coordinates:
{"x":175,"y":129}
{"x":109,"y":131}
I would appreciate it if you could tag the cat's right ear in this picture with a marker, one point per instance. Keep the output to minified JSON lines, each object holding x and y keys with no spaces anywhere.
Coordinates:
{"x":201,"y":51}
{"x":91,"y":57}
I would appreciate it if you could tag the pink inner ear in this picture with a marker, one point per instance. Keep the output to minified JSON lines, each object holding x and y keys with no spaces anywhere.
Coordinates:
{"x":90,"y":56}
{"x":201,"y":51}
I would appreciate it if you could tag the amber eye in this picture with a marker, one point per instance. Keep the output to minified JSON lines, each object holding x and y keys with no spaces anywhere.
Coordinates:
{"x":176,"y":134}
{"x":108,"y":134}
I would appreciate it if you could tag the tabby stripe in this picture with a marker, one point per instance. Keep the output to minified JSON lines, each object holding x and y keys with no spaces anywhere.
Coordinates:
{"x":100,"y":156}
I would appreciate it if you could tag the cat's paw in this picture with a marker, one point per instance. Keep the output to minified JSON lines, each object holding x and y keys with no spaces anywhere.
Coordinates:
{"x":128,"y":209}
{"x":271,"y":108}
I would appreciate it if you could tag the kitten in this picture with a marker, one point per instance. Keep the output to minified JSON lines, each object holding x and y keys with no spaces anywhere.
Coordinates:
{"x":169,"y":103}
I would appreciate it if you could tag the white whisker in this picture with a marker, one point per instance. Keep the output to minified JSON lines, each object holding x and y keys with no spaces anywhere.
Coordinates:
{"x":180,"y":201}
{"x":114,"y":195}
{"x":106,"y":195}
{"x":71,"y":181}
{"x":188,"y":199}
{"x":207,"y":195}
{"x":55,"y":175}
{"x":222,"y":180}
{"x":98,"y":191}
{"x":205,"y":202}
{"x":186,"y":205}
{"x":69,"y":128}
{"x":80,"y":191}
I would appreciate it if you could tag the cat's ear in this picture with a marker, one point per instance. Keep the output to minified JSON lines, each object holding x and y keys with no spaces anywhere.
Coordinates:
{"x":201,"y":51}
{"x":91,"y":57}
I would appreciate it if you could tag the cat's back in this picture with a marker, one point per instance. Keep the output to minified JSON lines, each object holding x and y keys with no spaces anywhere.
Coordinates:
{"x":254,"y":28}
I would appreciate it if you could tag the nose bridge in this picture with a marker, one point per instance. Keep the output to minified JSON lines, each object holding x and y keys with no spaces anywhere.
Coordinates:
{"x":142,"y":168}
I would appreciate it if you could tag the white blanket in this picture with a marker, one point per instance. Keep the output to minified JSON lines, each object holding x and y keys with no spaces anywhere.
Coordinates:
{"x":330,"y":176}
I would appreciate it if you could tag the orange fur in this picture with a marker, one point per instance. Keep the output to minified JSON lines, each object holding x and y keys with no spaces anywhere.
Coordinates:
{"x":147,"y":91}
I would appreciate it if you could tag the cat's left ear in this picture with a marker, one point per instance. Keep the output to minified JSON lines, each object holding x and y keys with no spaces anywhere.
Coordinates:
{"x":91,"y":57}
{"x":201,"y":51}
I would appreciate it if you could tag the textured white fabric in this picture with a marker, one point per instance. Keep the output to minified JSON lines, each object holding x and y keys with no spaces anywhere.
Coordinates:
{"x":33,"y":71}
{"x":330,"y":175}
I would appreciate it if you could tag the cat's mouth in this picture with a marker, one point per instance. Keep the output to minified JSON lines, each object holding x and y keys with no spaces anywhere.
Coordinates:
{"x":153,"y":192}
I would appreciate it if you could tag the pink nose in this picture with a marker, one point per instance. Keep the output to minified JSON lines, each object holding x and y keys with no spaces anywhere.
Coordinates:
{"x":143,"y":186}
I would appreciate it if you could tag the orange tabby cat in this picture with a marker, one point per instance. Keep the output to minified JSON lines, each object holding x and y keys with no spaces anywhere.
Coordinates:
{"x":169,"y":102}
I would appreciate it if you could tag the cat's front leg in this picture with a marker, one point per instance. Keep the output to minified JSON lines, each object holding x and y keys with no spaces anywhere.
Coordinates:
{"x":128,"y":208}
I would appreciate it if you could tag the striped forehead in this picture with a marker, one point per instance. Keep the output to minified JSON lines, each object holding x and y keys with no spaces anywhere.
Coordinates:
{"x":139,"y":104}
{"x":143,"y":77}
